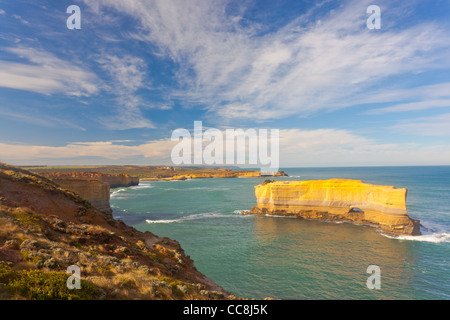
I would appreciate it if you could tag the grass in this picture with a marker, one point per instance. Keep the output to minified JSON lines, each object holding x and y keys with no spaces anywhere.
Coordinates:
{"x":40,"y":285}
{"x":29,"y":257}
{"x":27,"y":217}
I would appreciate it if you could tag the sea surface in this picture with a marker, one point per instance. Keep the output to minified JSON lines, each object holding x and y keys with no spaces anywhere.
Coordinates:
{"x":287,"y":258}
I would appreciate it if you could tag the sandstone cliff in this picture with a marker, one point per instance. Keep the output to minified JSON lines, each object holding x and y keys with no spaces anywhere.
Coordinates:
{"x":338,"y":199}
{"x":44,"y":229}
{"x":92,"y":186}
{"x":94,"y":191}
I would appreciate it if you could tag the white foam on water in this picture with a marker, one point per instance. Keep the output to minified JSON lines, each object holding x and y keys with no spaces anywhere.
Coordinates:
{"x":117,"y":191}
{"x":435,"y":238}
{"x":434,"y":234}
{"x":190,"y":218}
{"x":143,"y":186}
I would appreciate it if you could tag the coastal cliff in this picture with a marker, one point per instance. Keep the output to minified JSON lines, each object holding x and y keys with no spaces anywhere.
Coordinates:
{"x":44,"y":229}
{"x":339,"y":200}
{"x":114,"y":180}
{"x":94,"y":191}
{"x":224,"y":173}
{"x":125,"y":176}
{"x":92,"y":186}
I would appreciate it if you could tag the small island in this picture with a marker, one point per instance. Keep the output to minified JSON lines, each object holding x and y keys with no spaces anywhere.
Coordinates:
{"x":338,"y":200}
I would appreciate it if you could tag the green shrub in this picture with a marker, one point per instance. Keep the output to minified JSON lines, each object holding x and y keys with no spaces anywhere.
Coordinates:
{"x":27,"y":256}
{"x":39,"y":285}
{"x":27,"y":217}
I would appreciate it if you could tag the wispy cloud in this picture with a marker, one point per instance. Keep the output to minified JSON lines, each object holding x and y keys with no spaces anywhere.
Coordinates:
{"x":40,"y":120}
{"x":435,"y":126}
{"x":316,"y":62}
{"x":419,"y":98}
{"x":412,"y":106}
{"x":19,"y":18}
{"x":45,"y":73}
{"x":112,"y":150}
{"x":337,"y":147}
{"x":127,"y":74}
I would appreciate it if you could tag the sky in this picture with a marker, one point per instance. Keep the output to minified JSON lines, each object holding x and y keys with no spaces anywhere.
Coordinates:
{"x":113,"y":92}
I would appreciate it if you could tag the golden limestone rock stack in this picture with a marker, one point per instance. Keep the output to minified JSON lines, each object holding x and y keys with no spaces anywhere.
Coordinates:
{"x":338,"y":200}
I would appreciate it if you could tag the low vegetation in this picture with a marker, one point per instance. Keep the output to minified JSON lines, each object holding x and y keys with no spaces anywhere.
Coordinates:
{"x":39,"y":242}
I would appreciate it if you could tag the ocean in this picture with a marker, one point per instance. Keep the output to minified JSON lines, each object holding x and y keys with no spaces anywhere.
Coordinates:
{"x":287,"y":258}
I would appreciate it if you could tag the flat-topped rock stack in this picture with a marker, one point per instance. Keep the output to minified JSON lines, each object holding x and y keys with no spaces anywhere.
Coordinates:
{"x":339,"y":200}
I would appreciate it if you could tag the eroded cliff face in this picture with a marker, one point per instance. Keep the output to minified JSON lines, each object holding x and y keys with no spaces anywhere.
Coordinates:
{"x":94,"y":191}
{"x":44,"y":229}
{"x":92,"y":186}
{"x":338,"y":199}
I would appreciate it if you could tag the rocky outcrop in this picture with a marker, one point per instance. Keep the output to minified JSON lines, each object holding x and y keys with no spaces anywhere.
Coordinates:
{"x":338,"y":199}
{"x":94,"y":191}
{"x":92,"y":186}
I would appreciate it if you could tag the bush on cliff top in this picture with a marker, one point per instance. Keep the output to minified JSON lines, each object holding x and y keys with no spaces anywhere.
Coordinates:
{"x":40,"y":285}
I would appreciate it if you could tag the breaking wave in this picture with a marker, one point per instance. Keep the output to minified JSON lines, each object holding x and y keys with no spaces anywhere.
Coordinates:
{"x":116,"y":192}
{"x":197,"y":216}
{"x":189,"y":218}
{"x":434,"y":234}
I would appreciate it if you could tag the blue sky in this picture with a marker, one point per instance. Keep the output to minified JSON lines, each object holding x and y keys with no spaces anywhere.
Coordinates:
{"x":113,"y":92}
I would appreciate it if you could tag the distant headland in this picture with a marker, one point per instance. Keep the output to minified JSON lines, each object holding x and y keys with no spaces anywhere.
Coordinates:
{"x":149,"y":172}
{"x":93,"y":183}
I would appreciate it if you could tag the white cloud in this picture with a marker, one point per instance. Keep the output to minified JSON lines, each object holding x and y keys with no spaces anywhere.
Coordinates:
{"x":127,"y":72}
{"x":336,"y":147}
{"x":2,"y":11}
{"x":46,"y":74}
{"x":412,"y":106}
{"x":112,"y":150}
{"x":423,"y":97}
{"x":421,"y":93}
{"x":321,"y":147}
{"x":436,"y":126}
{"x":305,"y":67}
{"x":127,"y":76}
{"x":19,"y":18}
{"x":40,"y":120}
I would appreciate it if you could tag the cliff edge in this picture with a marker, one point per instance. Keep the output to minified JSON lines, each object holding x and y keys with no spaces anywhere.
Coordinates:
{"x":114,"y":180}
{"x":44,"y":229}
{"x":338,"y":199}
{"x":92,"y":186}
{"x":94,"y":191}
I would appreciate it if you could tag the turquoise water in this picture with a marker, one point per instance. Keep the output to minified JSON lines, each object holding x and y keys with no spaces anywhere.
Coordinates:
{"x":285,"y":258}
